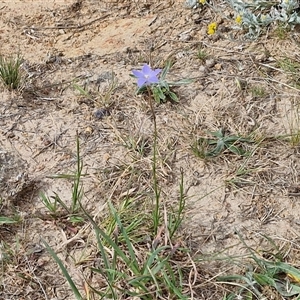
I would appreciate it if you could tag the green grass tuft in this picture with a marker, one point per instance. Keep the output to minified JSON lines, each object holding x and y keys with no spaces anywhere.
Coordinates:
{"x":10,"y":71}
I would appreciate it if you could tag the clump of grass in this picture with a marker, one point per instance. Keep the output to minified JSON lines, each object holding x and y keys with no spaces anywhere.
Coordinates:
{"x":138,"y":143}
{"x":103,"y":97}
{"x":138,"y":251}
{"x":138,"y":269}
{"x":295,"y":138}
{"x":10,"y":71}
{"x":54,"y":203}
{"x":14,"y":216}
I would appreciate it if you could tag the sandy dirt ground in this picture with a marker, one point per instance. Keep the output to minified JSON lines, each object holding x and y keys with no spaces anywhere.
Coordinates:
{"x":95,"y":45}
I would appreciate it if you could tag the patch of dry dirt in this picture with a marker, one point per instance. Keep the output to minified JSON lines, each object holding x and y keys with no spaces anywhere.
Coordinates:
{"x":92,"y":43}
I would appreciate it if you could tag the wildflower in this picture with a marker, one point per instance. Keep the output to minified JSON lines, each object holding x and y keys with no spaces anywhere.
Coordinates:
{"x":146,"y":76}
{"x":212,"y":27}
{"x":202,"y":1}
{"x":239,"y":19}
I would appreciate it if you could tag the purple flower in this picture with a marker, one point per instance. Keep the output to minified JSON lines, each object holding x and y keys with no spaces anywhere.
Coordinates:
{"x":146,"y":76}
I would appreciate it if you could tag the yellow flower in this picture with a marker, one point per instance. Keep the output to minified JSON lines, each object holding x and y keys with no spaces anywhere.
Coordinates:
{"x":211,"y":28}
{"x":202,"y":1}
{"x":239,"y":19}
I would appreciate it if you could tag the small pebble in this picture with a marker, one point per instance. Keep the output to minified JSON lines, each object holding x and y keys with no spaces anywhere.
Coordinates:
{"x":101,"y":113}
{"x":210,"y":63}
{"x":89,"y":130}
{"x":261,"y":57}
{"x":218,"y":67}
{"x":185,"y":37}
{"x":202,"y":69}
{"x":196,"y":17}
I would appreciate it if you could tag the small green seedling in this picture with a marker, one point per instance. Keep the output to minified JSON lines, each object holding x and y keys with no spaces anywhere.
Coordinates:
{"x":211,"y":147}
{"x":202,"y":54}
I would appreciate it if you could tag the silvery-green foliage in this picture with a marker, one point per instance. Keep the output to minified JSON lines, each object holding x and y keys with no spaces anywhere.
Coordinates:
{"x":289,"y":5}
{"x":192,"y":3}
{"x":257,"y":14}
{"x":251,"y":22}
{"x":286,"y":14}
{"x":237,"y":5}
{"x":265,"y":19}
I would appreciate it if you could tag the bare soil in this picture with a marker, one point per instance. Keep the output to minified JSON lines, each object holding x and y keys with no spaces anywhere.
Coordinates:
{"x":90,"y":44}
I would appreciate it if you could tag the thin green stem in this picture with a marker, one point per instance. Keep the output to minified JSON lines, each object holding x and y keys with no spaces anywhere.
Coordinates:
{"x":156,"y":213}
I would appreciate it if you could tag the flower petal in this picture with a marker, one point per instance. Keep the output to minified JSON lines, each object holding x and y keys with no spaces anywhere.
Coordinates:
{"x":137,"y":73}
{"x":146,"y":69}
{"x":153,"y":79}
{"x":141,"y":81}
{"x":156,"y":71}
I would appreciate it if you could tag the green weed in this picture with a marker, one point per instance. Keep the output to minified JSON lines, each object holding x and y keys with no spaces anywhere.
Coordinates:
{"x":295,"y":138}
{"x":262,"y":273}
{"x":137,"y":272}
{"x":12,"y":219}
{"x":135,"y":262}
{"x":289,"y":65}
{"x":211,"y":147}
